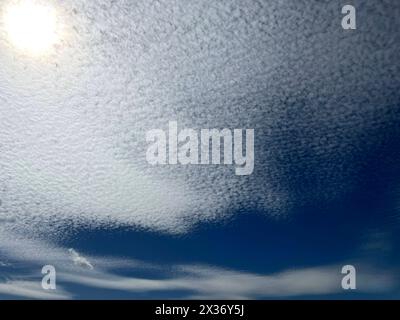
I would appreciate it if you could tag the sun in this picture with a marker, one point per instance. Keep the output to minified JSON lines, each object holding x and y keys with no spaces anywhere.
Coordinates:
{"x":31,"y":26}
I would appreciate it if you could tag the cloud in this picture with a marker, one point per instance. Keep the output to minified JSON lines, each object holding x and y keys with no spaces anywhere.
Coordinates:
{"x":72,"y":128}
{"x":197,"y":281}
{"x":207,"y":282}
{"x":18,"y":247}
{"x":214,"y":283}
{"x":79,"y":260}
{"x":31,"y":290}
{"x":73,"y":125}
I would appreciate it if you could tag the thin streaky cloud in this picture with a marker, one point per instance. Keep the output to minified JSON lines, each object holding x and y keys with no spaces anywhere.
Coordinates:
{"x":31,"y":290}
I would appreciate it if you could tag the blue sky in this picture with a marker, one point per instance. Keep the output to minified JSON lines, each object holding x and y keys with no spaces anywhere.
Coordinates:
{"x":77,"y":193}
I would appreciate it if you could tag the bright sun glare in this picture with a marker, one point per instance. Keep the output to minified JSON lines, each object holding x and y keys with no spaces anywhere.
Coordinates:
{"x":31,"y":26}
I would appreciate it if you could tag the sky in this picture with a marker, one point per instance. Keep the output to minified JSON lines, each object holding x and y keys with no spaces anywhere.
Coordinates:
{"x":77,"y":193}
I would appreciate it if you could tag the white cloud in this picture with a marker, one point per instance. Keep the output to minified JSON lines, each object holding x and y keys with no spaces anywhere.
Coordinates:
{"x":73,"y":133}
{"x":31,"y":290}
{"x":79,"y":260}
{"x":73,"y":125}
{"x":199,"y":281}
{"x":214,"y":283}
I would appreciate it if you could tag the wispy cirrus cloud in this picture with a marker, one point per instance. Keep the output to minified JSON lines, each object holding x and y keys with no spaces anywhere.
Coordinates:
{"x":197,"y":281}
{"x":31,"y":289}
{"x":209,"y":282}
{"x":79,"y":260}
